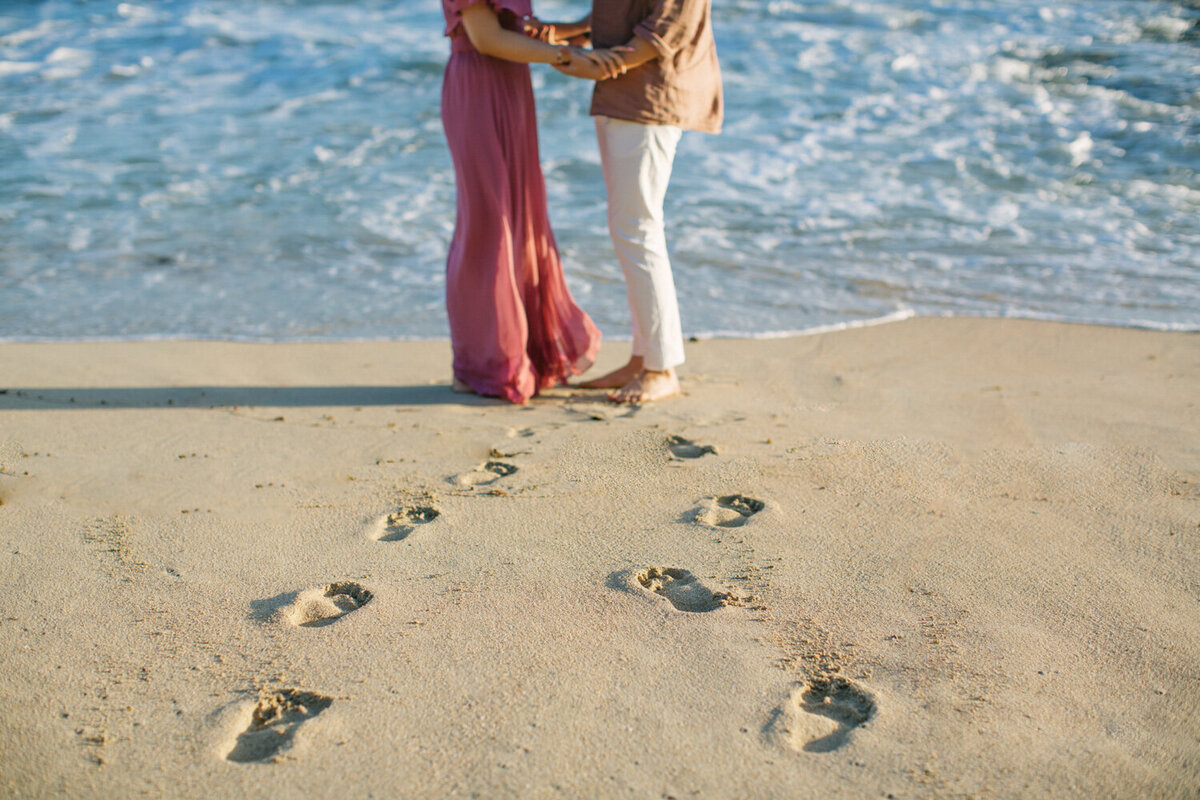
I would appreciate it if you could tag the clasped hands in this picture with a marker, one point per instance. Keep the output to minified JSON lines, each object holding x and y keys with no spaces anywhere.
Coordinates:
{"x":596,"y":65}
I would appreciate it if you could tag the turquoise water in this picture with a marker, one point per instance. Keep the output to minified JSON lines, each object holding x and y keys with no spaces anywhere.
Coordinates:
{"x":277,"y":170}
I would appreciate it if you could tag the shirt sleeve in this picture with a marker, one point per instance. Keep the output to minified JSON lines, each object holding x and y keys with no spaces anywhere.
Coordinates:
{"x":455,"y":8}
{"x":672,"y":24}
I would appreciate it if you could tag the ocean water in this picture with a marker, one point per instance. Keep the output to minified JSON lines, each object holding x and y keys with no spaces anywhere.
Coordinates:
{"x":276,"y":169}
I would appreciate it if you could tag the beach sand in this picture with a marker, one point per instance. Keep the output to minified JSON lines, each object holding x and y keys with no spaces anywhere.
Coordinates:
{"x":935,"y":558}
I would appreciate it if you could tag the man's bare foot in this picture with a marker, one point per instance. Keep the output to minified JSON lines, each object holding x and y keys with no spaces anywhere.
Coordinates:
{"x":461,"y":387}
{"x":647,"y":386}
{"x":617,"y":378}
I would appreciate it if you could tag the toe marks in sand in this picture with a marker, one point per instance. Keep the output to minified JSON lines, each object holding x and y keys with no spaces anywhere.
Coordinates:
{"x":746,"y":506}
{"x":322,"y":606}
{"x":499,"y":468}
{"x":273,"y":724}
{"x":821,"y":715}
{"x":484,"y":475}
{"x":684,"y":590}
{"x":727,"y":511}
{"x":399,"y":524}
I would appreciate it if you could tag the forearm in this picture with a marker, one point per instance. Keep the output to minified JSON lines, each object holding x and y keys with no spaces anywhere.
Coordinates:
{"x":569,"y":30}
{"x":488,"y":37}
{"x":641,"y":52}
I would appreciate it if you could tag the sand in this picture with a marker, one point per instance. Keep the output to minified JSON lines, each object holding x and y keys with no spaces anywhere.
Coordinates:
{"x":936,"y":558}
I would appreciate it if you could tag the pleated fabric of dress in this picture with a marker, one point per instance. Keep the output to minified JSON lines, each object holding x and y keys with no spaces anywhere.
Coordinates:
{"x":514,"y":326}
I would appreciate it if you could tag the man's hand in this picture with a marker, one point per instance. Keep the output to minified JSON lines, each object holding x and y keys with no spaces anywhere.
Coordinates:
{"x":582,"y":68}
{"x":612,"y":60}
{"x":595,"y":65}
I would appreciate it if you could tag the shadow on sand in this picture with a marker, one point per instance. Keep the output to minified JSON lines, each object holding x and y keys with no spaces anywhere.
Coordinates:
{"x":16,"y":399}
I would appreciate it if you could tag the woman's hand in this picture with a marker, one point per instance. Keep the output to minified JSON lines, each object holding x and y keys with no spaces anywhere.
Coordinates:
{"x":594,"y":65}
{"x":534,"y":28}
{"x":573,"y":33}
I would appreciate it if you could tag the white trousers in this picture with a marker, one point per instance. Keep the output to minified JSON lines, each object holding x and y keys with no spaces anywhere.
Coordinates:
{"x":637,"y":162}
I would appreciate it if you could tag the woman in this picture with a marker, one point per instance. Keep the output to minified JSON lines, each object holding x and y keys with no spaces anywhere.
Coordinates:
{"x":514,"y":327}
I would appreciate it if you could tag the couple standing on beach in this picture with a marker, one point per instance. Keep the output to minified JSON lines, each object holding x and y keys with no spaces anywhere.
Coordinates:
{"x":514,"y":326}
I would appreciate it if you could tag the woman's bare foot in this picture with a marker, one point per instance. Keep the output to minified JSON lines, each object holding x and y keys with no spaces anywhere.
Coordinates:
{"x":461,"y":387}
{"x":647,"y":386}
{"x":617,"y":378}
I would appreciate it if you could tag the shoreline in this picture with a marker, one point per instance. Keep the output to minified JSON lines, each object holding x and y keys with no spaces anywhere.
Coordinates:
{"x":937,"y":557}
{"x":834,"y":327}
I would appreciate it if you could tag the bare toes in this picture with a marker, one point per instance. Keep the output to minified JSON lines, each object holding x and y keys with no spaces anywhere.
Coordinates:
{"x":626,"y":395}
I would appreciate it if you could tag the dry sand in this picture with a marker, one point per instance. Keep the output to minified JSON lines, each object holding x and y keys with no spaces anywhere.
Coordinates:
{"x":938,"y":558}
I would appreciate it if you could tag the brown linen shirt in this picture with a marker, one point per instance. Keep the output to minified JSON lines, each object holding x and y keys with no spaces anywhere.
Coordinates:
{"x":682,"y":86}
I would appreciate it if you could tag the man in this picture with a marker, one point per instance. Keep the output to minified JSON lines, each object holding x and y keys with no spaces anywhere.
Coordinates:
{"x":670,"y":82}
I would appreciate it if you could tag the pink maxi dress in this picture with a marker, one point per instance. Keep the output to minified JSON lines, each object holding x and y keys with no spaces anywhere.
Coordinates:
{"x":514,"y":326}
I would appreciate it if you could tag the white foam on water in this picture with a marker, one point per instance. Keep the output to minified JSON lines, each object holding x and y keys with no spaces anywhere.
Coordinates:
{"x":288,"y":108}
{"x":136,"y":13}
{"x":898,"y":316}
{"x":24,"y":36}
{"x":8,"y":68}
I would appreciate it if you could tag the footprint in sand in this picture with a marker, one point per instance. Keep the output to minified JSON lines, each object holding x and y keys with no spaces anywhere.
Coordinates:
{"x":686,"y":448}
{"x":820,"y":716}
{"x":399,"y":524}
{"x":485,"y":474}
{"x":316,"y":608}
{"x":684,"y":590}
{"x":273,"y":724}
{"x":729,"y":511}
